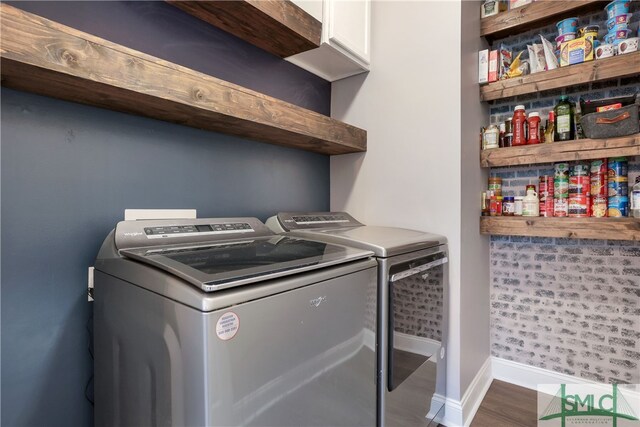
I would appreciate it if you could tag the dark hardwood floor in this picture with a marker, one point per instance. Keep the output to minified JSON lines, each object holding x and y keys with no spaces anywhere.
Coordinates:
{"x":507,"y":405}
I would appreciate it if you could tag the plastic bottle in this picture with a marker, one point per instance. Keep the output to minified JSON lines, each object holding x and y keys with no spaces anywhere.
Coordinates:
{"x":564,"y":127}
{"x":534,"y":128}
{"x":635,"y":199}
{"x":492,"y":137}
{"x":531,"y":203}
{"x":519,"y":126}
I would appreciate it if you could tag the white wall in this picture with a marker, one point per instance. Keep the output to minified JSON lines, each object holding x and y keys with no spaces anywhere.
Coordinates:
{"x":474,"y":254}
{"x":420,"y":106}
{"x":409,"y":103}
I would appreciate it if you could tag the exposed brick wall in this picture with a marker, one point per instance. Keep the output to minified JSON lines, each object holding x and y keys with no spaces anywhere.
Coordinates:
{"x":571,"y":306}
{"x":568,"y":305}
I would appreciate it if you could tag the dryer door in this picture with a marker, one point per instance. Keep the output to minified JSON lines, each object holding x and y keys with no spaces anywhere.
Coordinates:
{"x":416,"y":316}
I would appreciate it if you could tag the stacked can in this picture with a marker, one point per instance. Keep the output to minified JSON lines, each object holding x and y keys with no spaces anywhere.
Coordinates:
{"x":580,"y":191}
{"x":618,"y":187}
{"x":561,"y":189}
{"x":545,"y":192}
{"x":599,"y":188}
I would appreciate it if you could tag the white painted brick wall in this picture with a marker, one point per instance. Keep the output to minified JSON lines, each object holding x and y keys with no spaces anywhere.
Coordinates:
{"x":571,"y":306}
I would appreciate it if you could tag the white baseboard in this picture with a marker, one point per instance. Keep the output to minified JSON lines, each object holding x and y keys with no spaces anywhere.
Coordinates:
{"x":413,"y":344}
{"x":531,"y":376}
{"x":459,"y":413}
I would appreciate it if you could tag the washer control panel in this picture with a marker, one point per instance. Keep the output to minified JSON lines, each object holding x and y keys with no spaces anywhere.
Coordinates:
{"x":311,"y":220}
{"x":141,"y":233}
{"x":197,"y":230}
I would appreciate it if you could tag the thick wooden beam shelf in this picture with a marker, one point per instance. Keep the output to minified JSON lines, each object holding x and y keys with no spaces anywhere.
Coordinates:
{"x":592,"y":71}
{"x":534,"y":15}
{"x":47,"y":58}
{"x":582,"y":149}
{"x":575,"y":228}
{"x":277,"y":26}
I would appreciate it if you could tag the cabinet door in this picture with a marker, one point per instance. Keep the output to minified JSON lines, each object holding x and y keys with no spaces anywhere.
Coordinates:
{"x":346,"y":27}
{"x":312,"y":7}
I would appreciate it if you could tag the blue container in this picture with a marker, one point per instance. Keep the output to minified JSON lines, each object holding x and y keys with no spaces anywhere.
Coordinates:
{"x":618,"y":206}
{"x":619,"y":22}
{"x":617,"y":36}
{"x":617,"y":7}
{"x":615,"y":188}
{"x":569,"y":25}
{"x":609,"y":38}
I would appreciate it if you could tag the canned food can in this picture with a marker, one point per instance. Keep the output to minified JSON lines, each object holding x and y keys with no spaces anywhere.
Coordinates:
{"x":599,"y":206}
{"x":580,"y":185}
{"x":599,"y":166}
{"x":618,"y":206}
{"x":618,"y":167}
{"x":547,"y":207}
{"x":599,"y":173}
{"x":617,"y":188}
{"x":579,"y":206}
{"x":545,"y":188}
{"x":561,"y":170}
{"x":581,"y":169}
{"x":560,"y":207}
{"x":560,"y":188}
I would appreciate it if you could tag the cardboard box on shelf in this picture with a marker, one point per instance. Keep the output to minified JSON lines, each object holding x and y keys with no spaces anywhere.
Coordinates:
{"x":518,"y":3}
{"x":493,"y":66}
{"x":576,"y":51}
{"x":483,"y":66}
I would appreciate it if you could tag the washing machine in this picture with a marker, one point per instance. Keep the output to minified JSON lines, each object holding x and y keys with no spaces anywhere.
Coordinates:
{"x":220,"y":322}
{"x":412,"y":311}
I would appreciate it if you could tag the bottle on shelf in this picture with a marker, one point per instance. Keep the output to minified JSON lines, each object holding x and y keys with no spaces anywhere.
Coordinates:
{"x":508,"y":132}
{"x":531,"y":203}
{"x":635,"y":199}
{"x":549,"y":130}
{"x":519,"y":124}
{"x":564,"y":128}
{"x":491,"y":137}
{"x":534,"y":128}
{"x":577,"y":126}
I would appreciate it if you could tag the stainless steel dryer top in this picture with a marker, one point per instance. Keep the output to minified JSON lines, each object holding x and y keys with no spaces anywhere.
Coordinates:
{"x":342,"y":228}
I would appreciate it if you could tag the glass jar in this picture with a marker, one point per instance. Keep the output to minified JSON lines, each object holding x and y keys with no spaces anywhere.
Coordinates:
{"x":518,"y":206}
{"x":508,"y":206}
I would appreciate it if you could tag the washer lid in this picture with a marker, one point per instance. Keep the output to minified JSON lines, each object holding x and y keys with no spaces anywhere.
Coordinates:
{"x":382,"y":241}
{"x":220,"y":265}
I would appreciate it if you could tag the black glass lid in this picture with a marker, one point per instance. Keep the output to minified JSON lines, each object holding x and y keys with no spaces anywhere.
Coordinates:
{"x":220,"y":265}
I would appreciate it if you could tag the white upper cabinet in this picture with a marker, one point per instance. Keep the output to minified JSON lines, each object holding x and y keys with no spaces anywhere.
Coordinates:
{"x":345,"y":44}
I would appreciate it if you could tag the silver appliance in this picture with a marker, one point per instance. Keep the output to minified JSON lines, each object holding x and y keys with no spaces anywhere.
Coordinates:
{"x":412,"y":310}
{"x":220,"y":322}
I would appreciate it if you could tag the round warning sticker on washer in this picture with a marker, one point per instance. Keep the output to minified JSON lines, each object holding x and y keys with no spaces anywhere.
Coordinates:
{"x":227,"y":326}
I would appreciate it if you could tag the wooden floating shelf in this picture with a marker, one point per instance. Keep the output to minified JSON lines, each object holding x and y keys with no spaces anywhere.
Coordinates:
{"x":47,"y":58}
{"x":279,"y":27}
{"x":575,"y":228}
{"x":534,"y":15}
{"x":592,"y":71}
{"x":582,"y":149}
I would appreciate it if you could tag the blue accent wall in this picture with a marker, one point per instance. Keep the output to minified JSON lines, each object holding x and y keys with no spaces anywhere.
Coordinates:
{"x":68,"y":172}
